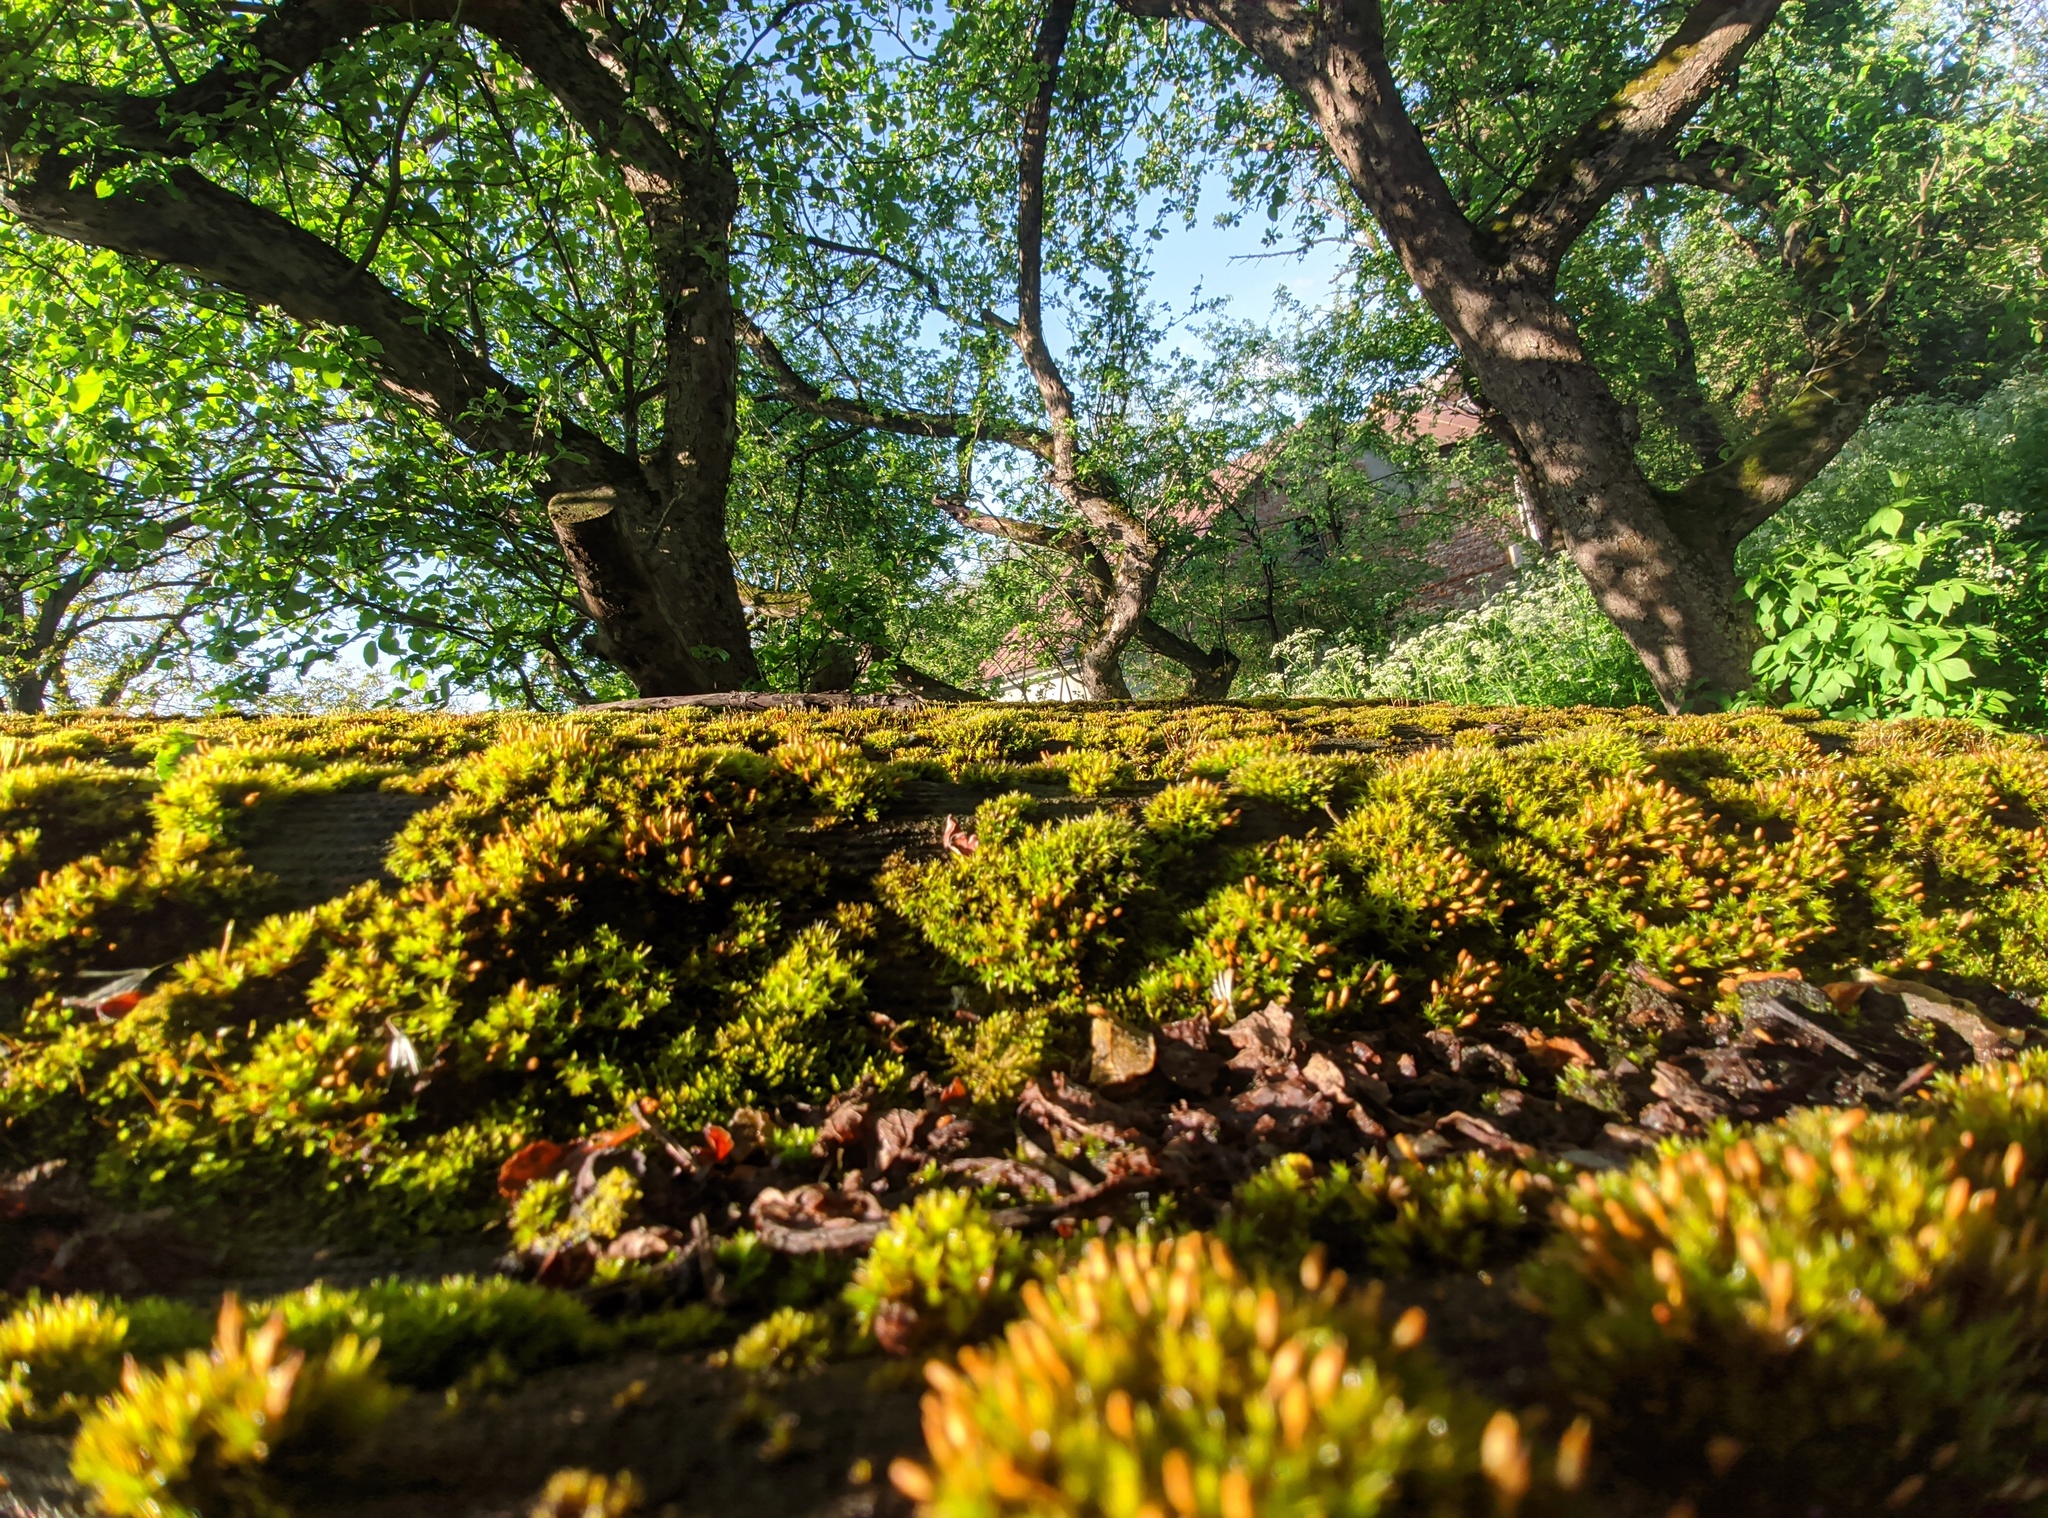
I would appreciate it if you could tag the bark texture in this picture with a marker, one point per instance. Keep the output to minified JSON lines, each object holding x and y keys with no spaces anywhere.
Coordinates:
{"x":644,"y":538}
{"x":1660,"y":563}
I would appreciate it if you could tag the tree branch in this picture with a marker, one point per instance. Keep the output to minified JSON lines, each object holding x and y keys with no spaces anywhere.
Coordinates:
{"x":1728,"y":502}
{"x":798,"y":391}
{"x":1639,"y":121}
{"x":986,"y":320}
{"x":1721,"y":167}
{"x":1211,"y":673}
{"x":1680,"y":390}
{"x":1029,"y":335}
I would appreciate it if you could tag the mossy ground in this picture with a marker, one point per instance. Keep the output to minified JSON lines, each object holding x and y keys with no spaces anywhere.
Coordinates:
{"x":673,"y":1009}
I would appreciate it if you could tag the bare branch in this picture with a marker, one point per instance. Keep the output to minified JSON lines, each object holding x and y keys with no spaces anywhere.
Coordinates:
{"x":984,"y":320}
{"x":800,"y":392}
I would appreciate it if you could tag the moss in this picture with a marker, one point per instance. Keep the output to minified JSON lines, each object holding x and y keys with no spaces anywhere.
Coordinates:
{"x":1035,"y":910}
{"x":1392,"y":1215}
{"x":943,"y":1272}
{"x":789,"y":1341}
{"x":1833,"y":1309}
{"x":614,"y":906}
{"x":1162,"y":1378}
{"x":217,"y":1433}
{"x":584,"y":1494}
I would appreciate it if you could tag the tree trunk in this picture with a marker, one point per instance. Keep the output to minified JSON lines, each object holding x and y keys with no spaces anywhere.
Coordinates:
{"x":1210,"y":674}
{"x":1660,"y":563}
{"x":646,"y":545}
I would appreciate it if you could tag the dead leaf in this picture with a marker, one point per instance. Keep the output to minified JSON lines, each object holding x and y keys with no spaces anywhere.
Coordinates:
{"x":1322,"y":1073}
{"x":896,"y":1135}
{"x":536,"y":1161}
{"x":1987,"y":1040}
{"x":1122,"y":1054}
{"x":645,"y":1244}
{"x":1263,"y":1040}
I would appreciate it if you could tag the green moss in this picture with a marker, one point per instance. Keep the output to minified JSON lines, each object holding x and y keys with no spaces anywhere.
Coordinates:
{"x":1829,"y":1309}
{"x":1161,"y":1378}
{"x":615,"y":906}
{"x":1390,"y":1215}
{"x":942,"y":1272}
{"x":788,"y":1341}
{"x":216,"y":1434}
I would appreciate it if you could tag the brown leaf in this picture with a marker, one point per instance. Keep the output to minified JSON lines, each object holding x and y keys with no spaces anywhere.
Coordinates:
{"x":1122,"y":1054}
{"x":568,"y":1268}
{"x":1005,"y":1174}
{"x":645,"y":1244}
{"x":842,"y":1128}
{"x":1676,"y":1086}
{"x":1322,"y":1073}
{"x":895,"y":1328}
{"x":1479,"y":1131}
{"x":1263,"y":1040}
{"x":1990,"y":1042}
{"x":535,"y":1162}
{"x":896,"y":1135}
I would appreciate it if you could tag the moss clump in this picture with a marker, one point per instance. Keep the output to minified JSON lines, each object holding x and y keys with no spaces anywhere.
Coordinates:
{"x":61,"y":1353}
{"x":1037,"y":909}
{"x":615,"y":907}
{"x":1393,"y":1215}
{"x":943,"y":1272}
{"x":1161,"y":1378}
{"x":585,"y":1494}
{"x":1834,"y":1309}
{"x":215,"y":1433}
{"x":789,"y":1341}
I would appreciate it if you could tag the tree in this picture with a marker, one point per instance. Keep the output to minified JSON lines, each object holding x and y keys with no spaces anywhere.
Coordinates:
{"x":1867,"y":174}
{"x":195,"y":503}
{"x":1114,"y":531}
{"x":515,"y":220}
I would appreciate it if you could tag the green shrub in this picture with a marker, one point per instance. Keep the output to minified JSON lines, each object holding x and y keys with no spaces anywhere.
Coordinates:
{"x":1832,"y":1309}
{"x":1541,"y":641}
{"x":1159,"y":1378}
{"x":1896,"y":625}
{"x":214,"y":1435}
